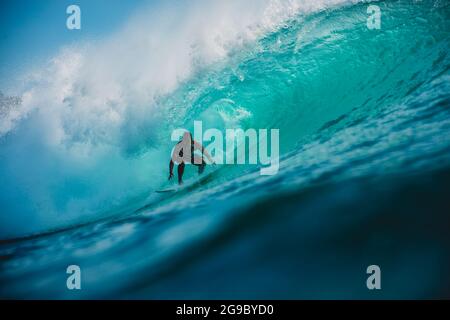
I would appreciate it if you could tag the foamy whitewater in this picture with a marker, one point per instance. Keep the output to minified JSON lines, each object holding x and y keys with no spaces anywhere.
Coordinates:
{"x":364,"y":142}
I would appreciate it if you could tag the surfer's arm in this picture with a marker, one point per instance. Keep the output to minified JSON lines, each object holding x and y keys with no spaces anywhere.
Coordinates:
{"x":171,"y":164}
{"x":198,"y":146}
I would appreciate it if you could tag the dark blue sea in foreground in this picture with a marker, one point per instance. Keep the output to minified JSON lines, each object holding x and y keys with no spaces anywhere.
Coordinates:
{"x":364,"y":178}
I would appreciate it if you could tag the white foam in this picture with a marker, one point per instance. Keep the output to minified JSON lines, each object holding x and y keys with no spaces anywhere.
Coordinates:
{"x":87,"y":91}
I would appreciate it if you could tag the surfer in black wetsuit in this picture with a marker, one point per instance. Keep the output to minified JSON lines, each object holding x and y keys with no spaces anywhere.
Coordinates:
{"x":190,"y":145}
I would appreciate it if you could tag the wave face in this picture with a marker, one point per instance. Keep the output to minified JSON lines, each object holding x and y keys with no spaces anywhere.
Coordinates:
{"x":364,"y":136}
{"x":96,"y":120}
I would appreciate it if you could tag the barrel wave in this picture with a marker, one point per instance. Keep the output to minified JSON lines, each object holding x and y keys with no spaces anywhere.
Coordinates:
{"x":364,"y":123}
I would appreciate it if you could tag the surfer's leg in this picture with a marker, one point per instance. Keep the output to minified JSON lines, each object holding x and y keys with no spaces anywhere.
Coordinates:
{"x":201,"y":167}
{"x":200,"y":163}
{"x":180,"y":172}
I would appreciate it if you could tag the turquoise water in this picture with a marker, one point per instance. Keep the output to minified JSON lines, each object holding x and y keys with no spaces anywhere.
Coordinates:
{"x":364,"y":175}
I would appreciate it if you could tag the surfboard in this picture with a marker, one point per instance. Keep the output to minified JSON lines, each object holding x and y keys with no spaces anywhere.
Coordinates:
{"x":192,"y":183}
{"x":165,"y":191}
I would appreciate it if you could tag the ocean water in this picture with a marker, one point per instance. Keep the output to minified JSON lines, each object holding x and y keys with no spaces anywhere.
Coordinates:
{"x":364,"y":178}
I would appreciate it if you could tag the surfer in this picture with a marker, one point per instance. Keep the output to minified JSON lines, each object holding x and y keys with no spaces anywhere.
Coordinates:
{"x":189,"y":144}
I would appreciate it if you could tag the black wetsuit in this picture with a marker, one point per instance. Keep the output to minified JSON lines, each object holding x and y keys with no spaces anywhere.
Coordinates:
{"x":201,"y":166}
{"x":192,"y":152}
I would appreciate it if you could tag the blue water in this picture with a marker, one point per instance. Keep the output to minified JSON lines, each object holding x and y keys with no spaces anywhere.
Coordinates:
{"x":364,"y":175}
